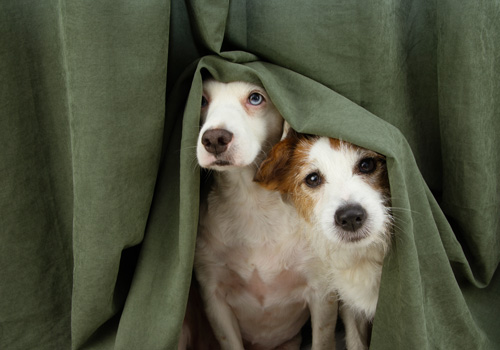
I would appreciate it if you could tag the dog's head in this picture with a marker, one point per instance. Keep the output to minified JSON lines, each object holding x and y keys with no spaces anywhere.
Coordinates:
{"x":340,"y":188}
{"x":239,"y":125}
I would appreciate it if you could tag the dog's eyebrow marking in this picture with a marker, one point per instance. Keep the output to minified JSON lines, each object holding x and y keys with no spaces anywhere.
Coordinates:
{"x":335,"y":143}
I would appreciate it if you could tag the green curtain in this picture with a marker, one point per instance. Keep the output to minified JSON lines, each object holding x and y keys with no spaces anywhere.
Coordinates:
{"x":99,"y":185}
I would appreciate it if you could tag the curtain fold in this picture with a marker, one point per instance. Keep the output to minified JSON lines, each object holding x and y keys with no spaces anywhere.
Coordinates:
{"x":35,"y":180}
{"x":99,"y":108}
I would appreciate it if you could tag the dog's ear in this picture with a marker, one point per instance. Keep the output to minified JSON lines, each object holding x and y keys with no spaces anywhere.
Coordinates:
{"x":286,"y":129}
{"x":272,"y":172}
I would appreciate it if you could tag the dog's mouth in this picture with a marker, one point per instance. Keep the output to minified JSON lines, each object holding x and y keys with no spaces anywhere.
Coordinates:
{"x":353,"y":237}
{"x":220,"y":162}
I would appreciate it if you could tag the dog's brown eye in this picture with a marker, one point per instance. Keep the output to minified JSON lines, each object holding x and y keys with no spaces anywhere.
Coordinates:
{"x":255,"y":99}
{"x":313,"y":180}
{"x":204,"y":102}
{"x":367,"y":165}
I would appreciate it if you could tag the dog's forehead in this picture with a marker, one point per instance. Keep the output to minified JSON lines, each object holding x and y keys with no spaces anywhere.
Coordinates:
{"x":329,"y":154}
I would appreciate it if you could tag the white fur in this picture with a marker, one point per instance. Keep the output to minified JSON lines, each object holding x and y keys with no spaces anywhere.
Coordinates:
{"x":351,"y":268}
{"x":252,"y":259}
{"x":228,"y":108}
{"x":343,"y":187}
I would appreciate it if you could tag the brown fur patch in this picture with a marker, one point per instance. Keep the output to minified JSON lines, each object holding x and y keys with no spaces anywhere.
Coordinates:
{"x":335,"y":143}
{"x":303,"y":196}
{"x":283,"y":170}
{"x":304,"y":205}
{"x":273,"y":171}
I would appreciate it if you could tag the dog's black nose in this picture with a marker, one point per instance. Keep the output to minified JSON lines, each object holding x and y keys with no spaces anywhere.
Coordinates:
{"x":216,"y":140}
{"x":350,"y":217}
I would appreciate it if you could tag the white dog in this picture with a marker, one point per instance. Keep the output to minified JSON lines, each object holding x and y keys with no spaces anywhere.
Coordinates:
{"x":342,"y":191}
{"x":252,"y":258}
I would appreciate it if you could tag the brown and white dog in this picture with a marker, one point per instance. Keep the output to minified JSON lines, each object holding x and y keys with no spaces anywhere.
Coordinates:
{"x":252,"y":258}
{"x":342,"y":192}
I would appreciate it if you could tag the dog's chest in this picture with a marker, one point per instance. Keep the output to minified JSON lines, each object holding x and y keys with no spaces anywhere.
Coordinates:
{"x":254,"y":247}
{"x":358,"y":284}
{"x":248,"y":216}
{"x":263,"y":276}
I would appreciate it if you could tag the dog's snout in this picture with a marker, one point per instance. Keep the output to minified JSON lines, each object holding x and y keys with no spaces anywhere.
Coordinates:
{"x":216,"y":141}
{"x":350,"y":217}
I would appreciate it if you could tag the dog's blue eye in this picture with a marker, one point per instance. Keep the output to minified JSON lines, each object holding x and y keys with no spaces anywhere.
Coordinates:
{"x":255,"y":99}
{"x":204,"y":102}
{"x":367,"y":165}
{"x":313,"y":180}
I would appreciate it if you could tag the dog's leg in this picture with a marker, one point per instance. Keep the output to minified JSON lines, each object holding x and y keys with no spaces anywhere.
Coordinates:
{"x":356,"y":329}
{"x":324,"y":312}
{"x":223,"y":322}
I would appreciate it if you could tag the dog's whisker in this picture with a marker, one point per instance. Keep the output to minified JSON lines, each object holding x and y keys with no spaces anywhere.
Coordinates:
{"x":186,"y":148}
{"x":403,"y":219}
{"x":396,"y":221}
{"x":395,"y":225}
{"x":194,"y":164}
{"x":401,"y":209}
{"x":189,"y":147}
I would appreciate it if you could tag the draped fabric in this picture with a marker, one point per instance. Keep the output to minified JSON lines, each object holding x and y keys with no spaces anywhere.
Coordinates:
{"x":99,"y":186}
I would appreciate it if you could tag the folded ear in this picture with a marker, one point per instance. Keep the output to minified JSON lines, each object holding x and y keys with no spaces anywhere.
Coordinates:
{"x":273,"y":170}
{"x":286,"y":128}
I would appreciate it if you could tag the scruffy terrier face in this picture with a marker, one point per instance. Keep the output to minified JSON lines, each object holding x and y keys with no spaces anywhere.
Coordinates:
{"x":338,"y":187}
